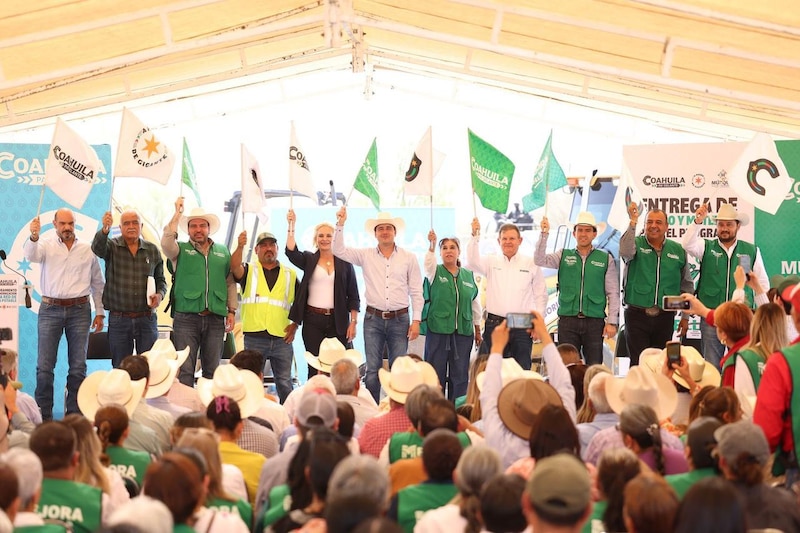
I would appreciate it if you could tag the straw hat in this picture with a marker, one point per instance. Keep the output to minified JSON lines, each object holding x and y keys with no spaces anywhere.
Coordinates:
{"x":521,"y":400}
{"x":703,"y":373}
{"x":384,"y":218}
{"x":199,"y":212}
{"x":164,"y":361}
{"x":509,"y":371}
{"x":585,"y":218}
{"x":406,"y":374}
{"x":643,"y":387}
{"x":330,"y":351}
{"x":728,"y":212}
{"x":240,"y":385}
{"x":104,"y":387}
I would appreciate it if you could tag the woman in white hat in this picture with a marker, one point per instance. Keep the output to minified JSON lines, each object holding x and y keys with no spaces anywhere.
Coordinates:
{"x":451,"y":318}
{"x":327,"y":302}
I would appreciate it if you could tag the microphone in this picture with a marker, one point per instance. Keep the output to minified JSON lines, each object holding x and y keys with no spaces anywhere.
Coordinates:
{"x":18,"y":273}
{"x":333,"y":193}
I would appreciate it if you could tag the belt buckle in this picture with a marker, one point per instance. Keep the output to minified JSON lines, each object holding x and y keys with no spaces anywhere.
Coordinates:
{"x":653,"y":311}
{"x":386,"y":315}
{"x":581,"y":315}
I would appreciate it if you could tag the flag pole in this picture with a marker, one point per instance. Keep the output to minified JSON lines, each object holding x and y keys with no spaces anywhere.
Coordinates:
{"x":474,"y":207}
{"x":431,"y":210}
{"x":352,"y":189}
{"x":111,"y":196}
{"x":41,"y":198}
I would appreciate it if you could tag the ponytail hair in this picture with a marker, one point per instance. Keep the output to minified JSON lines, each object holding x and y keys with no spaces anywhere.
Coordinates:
{"x":640,"y":423}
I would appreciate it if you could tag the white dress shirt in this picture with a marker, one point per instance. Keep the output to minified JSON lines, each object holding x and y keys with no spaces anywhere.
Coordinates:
{"x":390,"y":280}
{"x":67,"y":272}
{"x":514,"y":285}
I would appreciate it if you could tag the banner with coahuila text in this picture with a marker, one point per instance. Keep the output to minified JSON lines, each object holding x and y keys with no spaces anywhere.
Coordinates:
{"x":678,"y":178}
{"x":21,"y":179}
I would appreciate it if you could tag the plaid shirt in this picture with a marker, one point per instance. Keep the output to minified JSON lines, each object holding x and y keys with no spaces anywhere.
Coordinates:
{"x":126,"y":274}
{"x":377,"y":431}
{"x":258,"y":439}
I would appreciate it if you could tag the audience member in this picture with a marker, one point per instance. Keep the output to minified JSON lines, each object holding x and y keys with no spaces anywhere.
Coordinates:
{"x":140,"y":515}
{"x":28,"y":469}
{"x":615,"y":468}
{"x":552,"y":432}
{"x":700,"y":444}
{"x":269,"y":409}
{"x":586,"y":411}
{"x":347,"y":382}
{"x":711,"y":504}
{"x":557,"y":496}
{"x":164,"y":363}
{"x":156,"y":419}
{"x":604,"y":417}
{"x":111,"y":423}
{"x":501,"y":504}
{"x":359,"y":489}
{"x":650,"y":505}
{"x":641,"y":434}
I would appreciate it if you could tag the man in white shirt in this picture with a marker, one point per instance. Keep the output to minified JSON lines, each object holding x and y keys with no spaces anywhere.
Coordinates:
{"x":514,"y":284}
{"x":69,"y":273}
{"x":392,"y":276}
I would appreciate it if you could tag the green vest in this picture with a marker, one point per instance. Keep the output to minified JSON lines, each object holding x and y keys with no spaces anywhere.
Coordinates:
{"x":408,"y":445}
{"x":46,"y":528}
{"x":445,"y":294}
{"x":651,"y":276}
{"x":182,"y":528}
{"x":716,"y":283}
{"x":755,"y":364}
{"x":240,"y":508}
{"x":264,"y":309}
{"x":683,"y":482}
{"x":582,"y":285}
{"x":279,"y":502}
{"x":413,"y":501}
{"x":129,"y":463}
{"x":595,"y":522}
{"x":200,"y":280}
{"x":77,"y":504}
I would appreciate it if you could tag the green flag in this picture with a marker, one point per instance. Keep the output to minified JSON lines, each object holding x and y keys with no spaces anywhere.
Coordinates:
{"x":549,"y":176}
{"x":491,"y":173}
{"x":188,"y":176}
{"x":367,"y":180}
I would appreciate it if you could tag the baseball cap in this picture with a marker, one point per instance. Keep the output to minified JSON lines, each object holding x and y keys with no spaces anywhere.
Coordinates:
{"x":318,"y":403}
{"x":560,"y":486}
{"x":742,"y":437}
{"x":265,"y":236}
{"x":700,"y":440}
{"x":791,"y":293}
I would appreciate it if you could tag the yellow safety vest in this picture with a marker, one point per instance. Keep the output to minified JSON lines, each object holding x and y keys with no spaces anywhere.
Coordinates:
{"x":264,"y":309}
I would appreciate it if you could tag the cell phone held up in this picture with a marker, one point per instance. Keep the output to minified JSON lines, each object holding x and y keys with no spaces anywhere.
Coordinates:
{"x":673,"y":354}
{"x":519,"y":320}
{"x":675,"y":303}
{"x":744,"y":261}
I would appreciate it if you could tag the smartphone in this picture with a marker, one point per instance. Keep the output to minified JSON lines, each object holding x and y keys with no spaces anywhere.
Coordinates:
{"x":519,"y":320}
{"x":744,"y":261}
{"x":673,"y":353}
{"x":675,"y":303}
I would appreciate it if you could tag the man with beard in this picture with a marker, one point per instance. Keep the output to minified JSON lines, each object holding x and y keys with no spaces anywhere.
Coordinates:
{"x":268,"y":291}
{"x":69,"y":272}
{"x":130,"y":262}
{"x":203,"y":291}
{"x":718,"y":260}
{"x":654,"y":267}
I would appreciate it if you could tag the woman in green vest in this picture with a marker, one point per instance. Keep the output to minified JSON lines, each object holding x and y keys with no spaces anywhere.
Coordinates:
{"x":207,"y":443}
{"x":451,"y":316}
{"x":111,"y":422}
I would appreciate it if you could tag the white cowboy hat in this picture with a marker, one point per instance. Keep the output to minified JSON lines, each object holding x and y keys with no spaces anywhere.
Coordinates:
{"x":330,"y":351}
{"x":406,"y":374}
{"x":703,"y":373}
{"x":240,"y":385}
{"x":642,"y":387}
{"x":510,"y":370}
{"x":199,"y":212}
{"x":104,"y":387}
{"x":384,"y":218}
{"x":585,"y":218}
{"x":728,"y":212}
{"x":164,"y":361}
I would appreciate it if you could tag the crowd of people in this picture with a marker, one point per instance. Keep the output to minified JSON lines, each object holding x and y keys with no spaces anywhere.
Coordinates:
{"x":453,"y":439}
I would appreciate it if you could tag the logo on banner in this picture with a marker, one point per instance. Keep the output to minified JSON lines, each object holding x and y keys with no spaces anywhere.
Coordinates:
{"x":72,"y":165}
{"x":143,"y":155}
{"x":296,"y":155}
{"x":698,"y":180}
{"x":753,"y":170}
{"x":721,"y":181}
{"x":664,"y":182}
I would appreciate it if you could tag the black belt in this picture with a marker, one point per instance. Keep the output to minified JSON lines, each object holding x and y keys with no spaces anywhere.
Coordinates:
{"x":652,"y":312}
{"x":319,"y":310}
{"x":386,"y":315}
{"x":66,"y":302}
{"x":136,"y":314}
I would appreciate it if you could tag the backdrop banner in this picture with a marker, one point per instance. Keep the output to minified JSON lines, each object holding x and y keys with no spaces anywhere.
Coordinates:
{"x":21,"y":181}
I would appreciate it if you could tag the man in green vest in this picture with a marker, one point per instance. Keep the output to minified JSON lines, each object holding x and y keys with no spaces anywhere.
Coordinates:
{"x":588,"y":280}
{"x":268,"y":291}
{"x":655,"y":267}
{"x":718,"y":260}
{"x":63,"y":499}
{"x":203,"y":292}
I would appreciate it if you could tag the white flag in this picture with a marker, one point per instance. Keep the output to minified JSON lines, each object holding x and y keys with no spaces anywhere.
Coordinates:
{"x":759,"y":176}
{"x":627,"y":193}
{"x":299,"y":174}
{"x":71,"y":167}
{"x":140,"y":153}
{"x":425,"y":164}
{"x":253,"y":200}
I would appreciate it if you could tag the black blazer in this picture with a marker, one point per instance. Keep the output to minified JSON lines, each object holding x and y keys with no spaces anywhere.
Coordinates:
{"x":345,"y":288}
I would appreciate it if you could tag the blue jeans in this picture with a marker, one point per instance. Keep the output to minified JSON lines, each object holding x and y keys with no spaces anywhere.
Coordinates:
{"x":123,"y":332}
{"x":519,"y":344}
{"x":449,"y":356}
{"x":205,"y":334}
{"x":380,"y":334}
{"x":713,"y":350}
{"x":280,"y":357}
{"x":586,"y":334}
{"x":54,"y":320}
